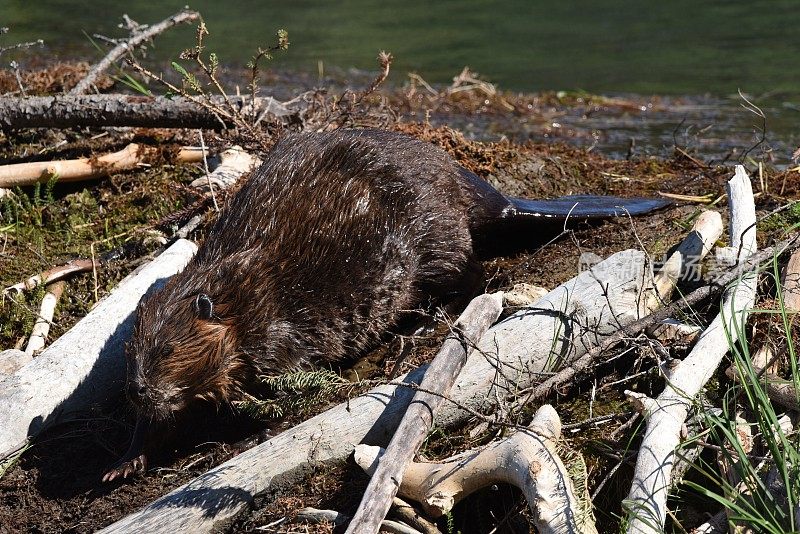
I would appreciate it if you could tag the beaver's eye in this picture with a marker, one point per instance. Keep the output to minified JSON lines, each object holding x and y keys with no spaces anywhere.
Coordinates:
{"x":166,"y":350}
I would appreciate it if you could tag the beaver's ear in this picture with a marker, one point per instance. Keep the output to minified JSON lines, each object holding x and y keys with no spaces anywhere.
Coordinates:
{"x":203,"y":306}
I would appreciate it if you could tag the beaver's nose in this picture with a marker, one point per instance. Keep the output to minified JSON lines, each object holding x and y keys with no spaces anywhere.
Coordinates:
{"x":137,"y":392}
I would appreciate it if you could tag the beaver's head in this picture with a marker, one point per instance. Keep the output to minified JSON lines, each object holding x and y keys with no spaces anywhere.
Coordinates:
{"x":183,"y":349}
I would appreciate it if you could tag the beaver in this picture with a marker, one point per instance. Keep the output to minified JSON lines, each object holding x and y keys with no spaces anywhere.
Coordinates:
{"x":320,"y":254}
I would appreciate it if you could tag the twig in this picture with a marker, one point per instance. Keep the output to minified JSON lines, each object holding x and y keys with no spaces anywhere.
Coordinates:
{"x":137,"y":39}
{"x":29,"y":44}
{"x":41,"y":327}
{"x":208,"y":174}
{"x":53,"y":274}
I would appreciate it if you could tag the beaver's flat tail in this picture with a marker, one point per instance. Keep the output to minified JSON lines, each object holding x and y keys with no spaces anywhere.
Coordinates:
{"x":500,"y":224}
{"x":582,"y":207}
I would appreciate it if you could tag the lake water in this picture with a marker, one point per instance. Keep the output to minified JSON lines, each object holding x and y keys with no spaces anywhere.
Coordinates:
{"x":616,"y":46}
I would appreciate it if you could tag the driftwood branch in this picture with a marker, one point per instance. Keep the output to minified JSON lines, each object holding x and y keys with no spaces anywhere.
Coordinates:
{"x":685,"y":259}
{"x":41,"y":328}
{"x":528,"y":460}
{"x":137,"y":39}
{"x":73,"y":170}
{"x":647,"y":499}
{"x":233,"y":163}
{"x":445,"y":367}
{"x":511,"y":354}
{"x":51,"y":275}
{"x":127,"y":110}
{"x":85,"y":366}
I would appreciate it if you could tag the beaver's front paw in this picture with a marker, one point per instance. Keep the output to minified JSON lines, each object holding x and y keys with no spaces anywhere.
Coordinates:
{"x":125,"y":468}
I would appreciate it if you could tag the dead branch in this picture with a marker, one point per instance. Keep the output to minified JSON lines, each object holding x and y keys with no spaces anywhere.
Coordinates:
{"x":409,"y":515}
{"x":233,"y":163}
{"x":42,"y":325}
{"x":51,"y":275}
{"x":647,"y":499}
{"x":686,"y":257}
{"x":126,"y":110}
{"x":627,"y":331}
{"x":75,"y":170}
{"x":528,"y":459}
{"x":445,"y":367}
{"x":137,"y":38}
{"x":791,"y":284}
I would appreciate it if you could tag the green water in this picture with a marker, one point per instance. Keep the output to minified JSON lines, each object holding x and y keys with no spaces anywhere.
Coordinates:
{"x":707,"y":50}
{"x":673,"y":47}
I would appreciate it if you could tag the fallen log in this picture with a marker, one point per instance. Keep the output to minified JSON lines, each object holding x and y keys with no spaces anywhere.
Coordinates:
{"x":86,"y":365}
{"x":128,"y":110}
{"x":74,"y":170}
{"x":527,"y":459}
{"x":512,"y":354}
{"x":646,"y":505}
{"x":445,"y":367}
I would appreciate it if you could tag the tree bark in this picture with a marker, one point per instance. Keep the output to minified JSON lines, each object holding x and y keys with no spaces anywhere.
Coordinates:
{"x":123,"y":110}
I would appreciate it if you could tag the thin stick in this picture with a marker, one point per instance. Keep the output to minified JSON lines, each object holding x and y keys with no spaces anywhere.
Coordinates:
{"x":41,"y":328}
{"x":51,"y":275}
{"x":136,"y":40}
{"x":94,"y":272}
{"x":208,"y":174}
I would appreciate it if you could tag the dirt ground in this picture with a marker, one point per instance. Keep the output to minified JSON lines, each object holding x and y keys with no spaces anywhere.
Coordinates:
{"x":55,"y":486}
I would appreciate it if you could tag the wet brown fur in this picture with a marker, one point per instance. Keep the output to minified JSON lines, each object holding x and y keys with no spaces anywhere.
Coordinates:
{"x":312,"y":261}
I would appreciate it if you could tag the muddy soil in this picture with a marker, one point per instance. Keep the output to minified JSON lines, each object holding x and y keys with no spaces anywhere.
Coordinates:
{"x":55,"y":486}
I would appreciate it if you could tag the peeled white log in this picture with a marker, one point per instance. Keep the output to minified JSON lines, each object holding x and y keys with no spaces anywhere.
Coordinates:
{"x":74,"y":170}
{"x":528,"y":459}
{"x":41,"y":328}
{"x":647,"y":500}
{"x":687,"y":255}
{"x":233,"y":163}
{"x":86,"y":365}
{"x":511,"y":355}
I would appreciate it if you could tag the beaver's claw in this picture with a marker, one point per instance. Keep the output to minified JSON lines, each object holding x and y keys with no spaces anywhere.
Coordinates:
{"x":125,"y":468}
